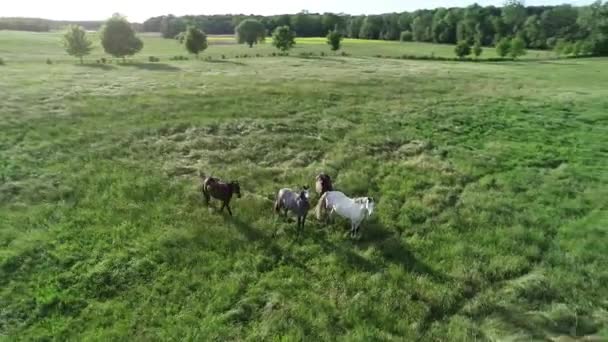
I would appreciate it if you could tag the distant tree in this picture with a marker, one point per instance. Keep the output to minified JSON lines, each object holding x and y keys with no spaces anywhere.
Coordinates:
{"x":76,"y":42}
{"x":283,"y":38}
{"x":517,"y":47}
{"x":406,"y":36}
{"x":503,"y":47}
{"x":118,"y":38}
{"x":334,"y":39}
{"x":462,"y":49}
{"x":250,"y":31}
{"x":477,"y":50}
{"x":195,"y":40}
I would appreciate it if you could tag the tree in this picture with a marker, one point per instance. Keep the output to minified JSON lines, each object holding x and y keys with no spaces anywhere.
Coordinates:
{"x":406,"y":36}
{"x":195,"y":40}
{"x":76,"y":42}
{"x":334,"y":39}
{"x":283,"y":38}
{"x":118,"y":38}
{"x":517,"y":47}
{"x":250,"y":31}
{"x":462,"y":49}
{"x":477,"y":50}
{"x":503,"y":47}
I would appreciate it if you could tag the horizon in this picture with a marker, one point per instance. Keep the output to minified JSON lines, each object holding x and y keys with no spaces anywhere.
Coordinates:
{"x":57,"y":12}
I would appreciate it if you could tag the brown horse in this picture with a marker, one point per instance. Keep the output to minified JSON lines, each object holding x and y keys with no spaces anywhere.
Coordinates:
{"x":213,"y":187}
{"x":323,"y":184}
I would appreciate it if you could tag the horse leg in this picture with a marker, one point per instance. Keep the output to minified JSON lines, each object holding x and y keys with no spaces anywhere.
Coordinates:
{"x":298,"y":226}
{"x":228,"y":207}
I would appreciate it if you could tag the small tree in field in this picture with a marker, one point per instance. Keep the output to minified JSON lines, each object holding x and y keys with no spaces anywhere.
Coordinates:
{"x":334,"y":39}
{"x":503,"y":47}
{"x":76,"y":42}
{"x":283,"y":38}
{"x":195,"y":40}
{"x":406,"y":36}
{"x":517,"y":47}
{"x":477,"y":50}
{"x":250,"y":31}
{"x":462,"y":49}
{"x":118,"y":38}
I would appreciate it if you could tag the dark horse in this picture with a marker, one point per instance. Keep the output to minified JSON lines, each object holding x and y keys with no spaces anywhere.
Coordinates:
{"x":323,"y":184}
{"x":213,"y":187}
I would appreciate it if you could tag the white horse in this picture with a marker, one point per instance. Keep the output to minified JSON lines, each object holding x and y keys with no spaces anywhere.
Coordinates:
{"x":354,"y":209}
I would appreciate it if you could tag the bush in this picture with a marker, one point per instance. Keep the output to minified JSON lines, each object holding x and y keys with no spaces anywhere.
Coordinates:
{"x":551,"y":42}
{"x":503,"y":47}
{"x":406,"y":36}
{"x":283,"y":38}
{"x":344,"y":54}
{"x":462,"y":49}
{"x":195,"y":40}
{"x":322,"y":54}
{"x":477,"y":50}
{"x":49,"y":61}
{"x":517,"y":47}
{"x":153,"y":59}
{"x":223,"y":56}
{"x":334,"y":39}
{"x":103,"y":60}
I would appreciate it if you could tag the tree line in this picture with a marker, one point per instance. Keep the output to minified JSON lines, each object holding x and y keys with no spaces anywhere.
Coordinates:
{"x":46,"y":25}
{"x":539,"y":27}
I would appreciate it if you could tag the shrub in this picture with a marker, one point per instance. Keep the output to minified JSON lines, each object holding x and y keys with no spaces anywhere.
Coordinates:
{"x":103,"y":60}
{"x":322,"y":54}
{"x":406,"y":36}
{"x":153,"y":59}
{"x":334,"y":39}
{"x":1,"y":61}
{"x":551,"y":42}
{"x":462,"y":49}
{"x":195,"y":40}
{"x":517,"y":47}
{"x":477,"y":50}
{"x":49,"y":61}
{"x":283,"y":38}
{"x":344,"y":54}
{"x":223,"y":56}
{"x":503,"y":47}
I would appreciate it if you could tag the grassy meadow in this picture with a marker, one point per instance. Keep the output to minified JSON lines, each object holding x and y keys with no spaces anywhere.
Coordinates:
{"x":490,"y":181}
{"x":29,"y":47}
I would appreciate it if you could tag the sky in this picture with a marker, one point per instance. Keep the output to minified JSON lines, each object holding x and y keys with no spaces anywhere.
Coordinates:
{"x":140,"y":10}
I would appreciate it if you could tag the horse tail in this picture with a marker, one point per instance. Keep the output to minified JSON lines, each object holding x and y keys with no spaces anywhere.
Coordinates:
{"x":321,"y":206}
{"x":277,"y":205}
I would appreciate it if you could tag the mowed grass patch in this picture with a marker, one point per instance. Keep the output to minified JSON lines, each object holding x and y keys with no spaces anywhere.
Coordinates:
{"x":489,"y":179}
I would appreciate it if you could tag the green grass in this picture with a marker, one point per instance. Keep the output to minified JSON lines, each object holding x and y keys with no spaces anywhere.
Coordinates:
{"x":18,"y":47}
{"x":490,"y":181}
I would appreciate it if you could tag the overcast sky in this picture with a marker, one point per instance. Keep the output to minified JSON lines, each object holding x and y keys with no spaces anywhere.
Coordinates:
{"x":140,"y":10}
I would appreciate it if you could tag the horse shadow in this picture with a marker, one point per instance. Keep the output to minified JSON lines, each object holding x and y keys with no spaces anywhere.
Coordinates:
{"x":393,"y":250}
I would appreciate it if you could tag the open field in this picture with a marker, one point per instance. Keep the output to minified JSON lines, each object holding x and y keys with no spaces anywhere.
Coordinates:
{"x":29,"y":47}
{"x":490,"y":181}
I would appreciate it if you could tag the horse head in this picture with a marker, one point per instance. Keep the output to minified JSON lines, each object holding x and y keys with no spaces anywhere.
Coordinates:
{"x":370,"y":205}
{"x":304,"y":194}
{"x":236,"y":188}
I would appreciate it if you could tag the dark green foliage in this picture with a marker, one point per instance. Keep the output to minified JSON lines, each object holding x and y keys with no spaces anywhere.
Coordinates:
{"x":334,"y":39}
{"x":170,"y":26}
{"x":195,"y":40}
{"x":49,"y":61}
{"x":250,"y":31}
{"x":406,"y":36}
{"x":462,"y":49}
{"x":1,"y":61}
{"x":283,"y":38}
{"x":76,"y":42}
{"x":118,"y":38}
{"x":517,"y":47}
{"x":477,"y":49}
{"x":153,"y":59}
{"x":503,"y":47}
